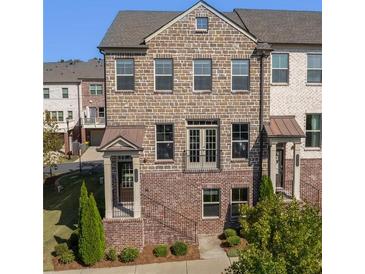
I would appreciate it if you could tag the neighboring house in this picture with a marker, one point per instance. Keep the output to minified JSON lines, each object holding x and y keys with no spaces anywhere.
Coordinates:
{"x":188,"y":130}
{"x":63,"y":85}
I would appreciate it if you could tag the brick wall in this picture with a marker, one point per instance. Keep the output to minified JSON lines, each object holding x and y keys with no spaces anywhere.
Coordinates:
{"x":91,"y":100}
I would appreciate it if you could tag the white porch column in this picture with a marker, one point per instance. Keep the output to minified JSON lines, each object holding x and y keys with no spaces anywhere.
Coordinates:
{"x":108,"y":188}
{"x":273,"y":165}
{"x":136,"y":186}
{"x":296,"y":171}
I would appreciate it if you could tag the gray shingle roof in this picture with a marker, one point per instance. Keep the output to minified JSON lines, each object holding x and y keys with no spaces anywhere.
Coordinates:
{"x":71,"y":71}
{"x":129,"y":28}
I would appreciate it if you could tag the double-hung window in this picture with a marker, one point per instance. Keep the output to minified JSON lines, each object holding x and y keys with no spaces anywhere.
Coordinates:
{"x":239,"y":196}
{"x":46,"y":93}
{"x":125,"y":74}
{"x":164,"y":74}
{"x":313,"y":130}
{"x":202,"y":74}
{"x":101,"y":113}
{"x":164,"y":142}
{"x":64,"y":92}
{"x":314,"y":68}
{"x":280,"y":68}
{"x":69,"y":115}
{"x":240,"y":75}
{"x":56,"y":116}
{"x":96,"y":89}
{"x":211,"y":198}
{"x":202,"y":23}
{"x":240,"y":137}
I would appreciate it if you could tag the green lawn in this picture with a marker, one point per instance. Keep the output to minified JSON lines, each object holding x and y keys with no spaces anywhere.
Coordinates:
{"x":60,"y":210}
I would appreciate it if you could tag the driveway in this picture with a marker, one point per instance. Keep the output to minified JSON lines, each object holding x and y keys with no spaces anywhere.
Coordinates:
{"x":91,"y":155}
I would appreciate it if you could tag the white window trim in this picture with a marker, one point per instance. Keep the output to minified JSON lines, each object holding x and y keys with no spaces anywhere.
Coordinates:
{"x":211,"y":75}
{"x":49,"y":95}
{"x":240,"y":141}
{"x":238,"y":202}
{"x":103,"y":112}
{"x":72,"y":113}
{"x":211,"y":203}
{"x":118,"y":183}
{"x":96,"y":89}
{"x":57,"y":115}
{"x":116,"y":75}
{"x":68,"y":95}
{"x":313,"y":130}
{"x":248,"y":75}
{"x":315,"y":69}
{"x":165,"y":142}
{"x":154,"y":75}
{"x":271,"y":69}
{"x":196,"y":24}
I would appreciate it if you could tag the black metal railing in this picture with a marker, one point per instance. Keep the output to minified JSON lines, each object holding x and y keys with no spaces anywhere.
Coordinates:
{"x":202,"y":159}
{"x":311,"y":194}
{"x":181,"y":225}
{"x":124,"y":210}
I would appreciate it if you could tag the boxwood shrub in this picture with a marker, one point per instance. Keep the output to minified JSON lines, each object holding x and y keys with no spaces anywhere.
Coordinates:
{"x":129,"y":254}
{"x":111,"y":255}
{"x":160,"y":251}
{"x":233,"y":240}
{"x":228,"y":232}
{"x":179,"y":248}
{"x":60,"y":249}
{"x":67,"y":257}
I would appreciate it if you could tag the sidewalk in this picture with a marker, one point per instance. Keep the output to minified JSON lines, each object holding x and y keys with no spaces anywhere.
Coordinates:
{"x":211,"y":266}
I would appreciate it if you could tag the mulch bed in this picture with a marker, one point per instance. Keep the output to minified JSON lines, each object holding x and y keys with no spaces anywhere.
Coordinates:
{"x":242,"y":245}
{"x":145,"y":257}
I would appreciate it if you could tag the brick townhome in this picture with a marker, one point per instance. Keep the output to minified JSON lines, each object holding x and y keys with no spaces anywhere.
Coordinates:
{"x":188,"y":127}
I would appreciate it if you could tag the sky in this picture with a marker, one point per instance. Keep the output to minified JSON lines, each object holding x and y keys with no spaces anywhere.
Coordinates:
{"x":72,"y":29}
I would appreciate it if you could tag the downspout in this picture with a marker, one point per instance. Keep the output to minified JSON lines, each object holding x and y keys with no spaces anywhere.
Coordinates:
{"x":105,"y":108}
{"x":80,"y":124}
{"x":261,"y":114}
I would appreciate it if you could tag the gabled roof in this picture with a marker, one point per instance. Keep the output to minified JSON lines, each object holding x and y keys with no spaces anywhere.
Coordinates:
{"x":283,"y":127}
{"x":123,"y":138}
{"x":71,"y":71}
{"x":130,"y":28}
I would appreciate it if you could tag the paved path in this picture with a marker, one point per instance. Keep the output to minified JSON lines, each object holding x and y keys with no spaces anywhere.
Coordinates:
{"x":211,"y":266}
{"x":91,"y":155}
{"x":209,"y":247}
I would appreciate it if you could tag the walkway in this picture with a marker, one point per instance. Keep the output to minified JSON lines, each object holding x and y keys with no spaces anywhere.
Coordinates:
{"x":91,"y":155}
{"x":211,"y":266}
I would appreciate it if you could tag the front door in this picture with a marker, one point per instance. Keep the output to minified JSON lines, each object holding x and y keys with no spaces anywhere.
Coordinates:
{"x":93,"y":114}
{"x":280,"y":168}
{"x":125,"y":171}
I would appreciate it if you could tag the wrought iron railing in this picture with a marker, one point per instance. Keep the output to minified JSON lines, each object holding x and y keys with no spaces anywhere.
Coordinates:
{"x":202,"y":159}
{"x":124,"y":210}
{"x":311,"y":194}
{"x":181,"y":225}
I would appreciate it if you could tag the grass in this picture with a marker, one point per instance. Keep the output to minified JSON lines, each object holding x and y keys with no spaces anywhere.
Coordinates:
{"x":60,"y":210}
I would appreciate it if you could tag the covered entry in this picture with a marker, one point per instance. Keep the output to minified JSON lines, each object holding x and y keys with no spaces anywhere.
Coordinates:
{"x":283,"y":130}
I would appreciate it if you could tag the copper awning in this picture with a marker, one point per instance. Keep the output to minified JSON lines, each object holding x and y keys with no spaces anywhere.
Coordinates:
{"x":283,"y":127}
{"x":123,"y":138}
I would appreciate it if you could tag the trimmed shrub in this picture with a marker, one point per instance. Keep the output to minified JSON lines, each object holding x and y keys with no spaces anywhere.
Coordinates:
{"x":91,"y":240}
{"x":67,"y":257}
{"x":129,"y":254}
{"x":228,"y":232}
{"x":266,"y":188}
{"x":179,"y":248}
{"x":60,"y":249}
{"x":233,"y":252}
{"x":233,"y":240}
{"x":160,"y":251}
{"x":111,"y":255}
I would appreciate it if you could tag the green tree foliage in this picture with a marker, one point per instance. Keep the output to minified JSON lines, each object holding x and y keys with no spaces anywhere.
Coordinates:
{"x":91,"y":235}
{"x":83,"y":200}
{"x":283,"y":238}
{"x":51,"y":142}
{"x":266,"y":189}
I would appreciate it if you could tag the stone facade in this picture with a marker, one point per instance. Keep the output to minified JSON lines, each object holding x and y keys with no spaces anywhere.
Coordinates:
{"x":165,"y":187}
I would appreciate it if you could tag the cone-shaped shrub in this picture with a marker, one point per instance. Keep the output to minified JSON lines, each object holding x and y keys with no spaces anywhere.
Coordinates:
{"x":91,"y":246}
{"x":266,"y":189}
{"x":83,"y":199}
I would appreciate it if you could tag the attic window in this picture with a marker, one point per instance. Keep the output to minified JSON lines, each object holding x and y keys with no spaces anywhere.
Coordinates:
{"x":202,"y":23}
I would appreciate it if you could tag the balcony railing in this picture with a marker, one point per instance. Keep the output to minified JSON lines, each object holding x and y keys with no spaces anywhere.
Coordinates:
{"x":93,"y":121}
{"x":202,"y":160}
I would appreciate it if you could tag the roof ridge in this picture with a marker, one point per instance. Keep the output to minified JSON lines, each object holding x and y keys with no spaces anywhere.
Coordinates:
{"x":316,"y":11}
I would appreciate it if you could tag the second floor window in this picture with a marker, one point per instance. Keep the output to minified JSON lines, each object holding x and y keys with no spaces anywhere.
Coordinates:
{"x":280,"y":68}
{"x":163,"y":74}
{"x":69,"y":115}
{"x":164,"y":142}
{"x":240,"y":72}
{"x":202,"y":74}
{"x":56,"y":116}
{"x":64,"y":92}
{"x":314,"y":68}
{"x":125,"y":74}
{"x":96,"y":89}
{"x":101,"y":112}
{"x":313,"y":130}
{"x":46,"y":93}
{"x":240,"y":135}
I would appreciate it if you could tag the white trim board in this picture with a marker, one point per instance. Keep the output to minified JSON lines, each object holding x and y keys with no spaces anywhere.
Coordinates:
{"x":197,"y":5}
